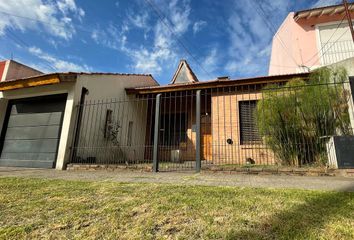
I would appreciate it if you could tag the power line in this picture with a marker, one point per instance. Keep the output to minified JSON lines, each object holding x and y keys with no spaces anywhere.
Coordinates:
{"x":171,"y":24}
{"x":271,"y":27}
{"x":284,"y":66}
{"x":323,"y":53}
{"x":21,"y":42}
{"x":82,"y":28}
{"x":161,"y":19}
{"x":322,"y":47}
{"x":347,"y":14}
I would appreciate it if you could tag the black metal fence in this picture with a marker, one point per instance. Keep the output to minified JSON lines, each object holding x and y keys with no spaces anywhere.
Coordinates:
{"x":115,"y":131}
{"x":215,"y":128}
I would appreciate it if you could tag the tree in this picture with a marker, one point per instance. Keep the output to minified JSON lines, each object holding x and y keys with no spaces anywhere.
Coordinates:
{"x":296,"y":120}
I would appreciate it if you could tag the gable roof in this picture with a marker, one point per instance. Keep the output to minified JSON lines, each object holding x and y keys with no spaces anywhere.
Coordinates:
{"x":184,"y":74}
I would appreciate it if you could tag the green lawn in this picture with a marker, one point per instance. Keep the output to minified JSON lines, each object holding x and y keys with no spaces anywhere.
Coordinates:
{"x":34,"y":208}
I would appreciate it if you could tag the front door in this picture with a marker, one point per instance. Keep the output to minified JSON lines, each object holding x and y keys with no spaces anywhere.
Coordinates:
{"x":206,"y":137}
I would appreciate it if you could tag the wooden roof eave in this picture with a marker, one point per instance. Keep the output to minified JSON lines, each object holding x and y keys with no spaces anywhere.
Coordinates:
{"x":212,"y":84}
{"x":41,"y":80}
{"x":318,"y":12}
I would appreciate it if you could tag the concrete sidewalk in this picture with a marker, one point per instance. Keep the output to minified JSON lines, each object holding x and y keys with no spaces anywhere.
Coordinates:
{"x":207,"y":179}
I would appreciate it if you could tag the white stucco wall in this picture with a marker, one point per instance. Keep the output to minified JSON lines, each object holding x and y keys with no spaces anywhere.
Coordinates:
{"x":107,"y":92}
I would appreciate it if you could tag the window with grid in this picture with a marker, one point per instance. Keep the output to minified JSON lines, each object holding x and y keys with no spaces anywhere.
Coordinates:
{"x":248,"y":127}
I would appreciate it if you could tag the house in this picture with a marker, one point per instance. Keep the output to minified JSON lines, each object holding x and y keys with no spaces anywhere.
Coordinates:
{"x":99,"y":119}
{"x":182,"y":123}
{"x":312,"y":38}
{"x":227,"y":128}
{"x":10,"y":69}
{"x":39,"y":114}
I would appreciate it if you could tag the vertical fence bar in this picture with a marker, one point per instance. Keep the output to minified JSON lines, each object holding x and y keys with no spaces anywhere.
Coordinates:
{"x":351,"y":101}
{"x":197,"y":135}
{"x":156,"y":134}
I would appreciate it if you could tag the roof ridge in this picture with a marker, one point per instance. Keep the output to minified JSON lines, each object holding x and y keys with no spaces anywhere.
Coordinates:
{"x":110,"y":73}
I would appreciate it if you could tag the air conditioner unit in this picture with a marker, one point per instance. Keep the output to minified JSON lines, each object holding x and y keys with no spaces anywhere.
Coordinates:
{"x":340,"y":151}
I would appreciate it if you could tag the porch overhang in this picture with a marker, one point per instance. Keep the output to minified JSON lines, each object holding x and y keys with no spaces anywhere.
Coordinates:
{"x":40,"y":80}
{"x":216,"y":84}
{"x":323,"y":11}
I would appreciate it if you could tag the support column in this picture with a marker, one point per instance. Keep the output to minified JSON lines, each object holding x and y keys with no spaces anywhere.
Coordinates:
{"x":198,"y":136}
{"x":156,"y":134}
{"x":63,"y":155}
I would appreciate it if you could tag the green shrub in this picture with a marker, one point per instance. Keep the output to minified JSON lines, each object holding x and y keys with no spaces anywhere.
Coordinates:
{"x":296,"y":120}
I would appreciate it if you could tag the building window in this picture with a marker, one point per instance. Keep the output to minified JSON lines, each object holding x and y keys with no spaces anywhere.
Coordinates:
{"x":130,"y":133}
{"x":248,"y":127}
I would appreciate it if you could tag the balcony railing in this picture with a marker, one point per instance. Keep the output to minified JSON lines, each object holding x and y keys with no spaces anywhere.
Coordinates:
{"x":333,"y":52}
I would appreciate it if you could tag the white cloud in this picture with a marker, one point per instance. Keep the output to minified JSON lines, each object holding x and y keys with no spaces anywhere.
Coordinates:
{"x":52,"y":42}
{"x":148,"y":61}
{"x":323,"y":3}
{"x":211,"y":61}
{"x":49,"y":15}
{"x":179,"y":15}
{"x":209,"y":65}
{"x":163,"y":53}
{"x":139,"y":19}
{"x":231,"y":66}
{"x":69,"y":6}
{"x":250,"y":36}
{"x":53,"y":63}
{"x":199,"y":25}
{"x":111,"y":37}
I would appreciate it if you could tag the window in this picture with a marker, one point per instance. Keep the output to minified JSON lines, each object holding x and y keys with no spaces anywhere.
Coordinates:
{"x":248,"y":127}
{"x":130,"y":133}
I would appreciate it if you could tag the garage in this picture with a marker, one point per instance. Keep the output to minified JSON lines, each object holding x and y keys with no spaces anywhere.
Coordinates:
{"x":31,"y":132}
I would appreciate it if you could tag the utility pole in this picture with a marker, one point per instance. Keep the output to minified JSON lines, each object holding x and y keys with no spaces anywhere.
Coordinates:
{"x":349,"y":18}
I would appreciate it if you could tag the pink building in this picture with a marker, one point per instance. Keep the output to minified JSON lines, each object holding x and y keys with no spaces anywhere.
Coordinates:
{"x":310,"y":39}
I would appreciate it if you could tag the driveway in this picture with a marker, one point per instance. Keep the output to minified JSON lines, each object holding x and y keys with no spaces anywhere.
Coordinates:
{"x":190,"y":178}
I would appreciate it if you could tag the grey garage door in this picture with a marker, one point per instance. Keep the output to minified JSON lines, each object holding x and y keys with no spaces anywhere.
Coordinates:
{"x":32,"y":131}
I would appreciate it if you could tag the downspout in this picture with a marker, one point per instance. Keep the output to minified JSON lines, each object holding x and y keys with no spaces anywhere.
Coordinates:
{"x":84,"y":92}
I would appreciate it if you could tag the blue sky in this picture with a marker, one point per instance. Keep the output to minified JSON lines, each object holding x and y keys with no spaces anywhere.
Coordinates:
{"x":217,"y":38}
